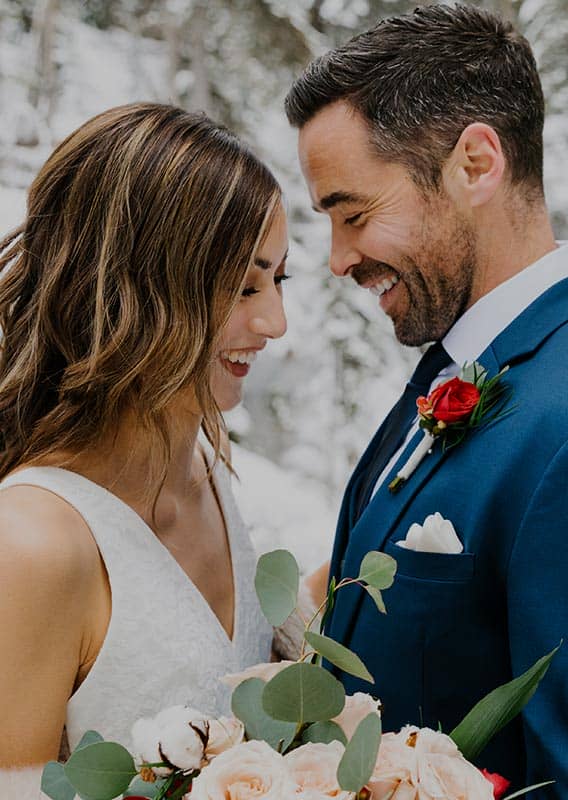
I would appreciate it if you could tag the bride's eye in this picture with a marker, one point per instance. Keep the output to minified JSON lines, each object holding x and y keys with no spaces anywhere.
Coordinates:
{"x":250,"y":290}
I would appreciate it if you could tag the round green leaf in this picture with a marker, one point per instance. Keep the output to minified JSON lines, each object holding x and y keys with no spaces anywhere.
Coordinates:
{"x":276,"y":582}
{"x":378,"y":570}
{"x":324,"y":732}
{"x":303,"y":693}
{"x":377,"y":597}
{"x":100,"y":771}
{"x":54,"y":782}
{"x":246,"y":704}
{"x":89,"y":737}
{"x":360,"y":756}
{"x":339,"y":655}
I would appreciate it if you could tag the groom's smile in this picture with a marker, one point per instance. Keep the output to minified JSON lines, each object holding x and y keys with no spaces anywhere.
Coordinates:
{"x":409,"y":246}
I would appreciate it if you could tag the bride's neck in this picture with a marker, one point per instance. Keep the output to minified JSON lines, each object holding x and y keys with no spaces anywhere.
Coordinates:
{"x":126,"y":463}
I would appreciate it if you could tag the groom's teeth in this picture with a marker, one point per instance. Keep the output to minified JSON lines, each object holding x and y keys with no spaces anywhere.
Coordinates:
{"x":380,"y":288}
{"x":239,"y":357}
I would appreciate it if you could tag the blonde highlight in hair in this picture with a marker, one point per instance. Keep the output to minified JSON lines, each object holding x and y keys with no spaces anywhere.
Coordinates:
{"x":113,"y":294}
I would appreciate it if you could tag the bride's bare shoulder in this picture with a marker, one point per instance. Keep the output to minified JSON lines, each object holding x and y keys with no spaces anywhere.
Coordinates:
{"x":50,"y":576}
{"x":42,"y":527}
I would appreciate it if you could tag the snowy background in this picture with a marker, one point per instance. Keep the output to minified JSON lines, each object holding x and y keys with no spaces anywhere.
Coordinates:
{"x":316,"y":396}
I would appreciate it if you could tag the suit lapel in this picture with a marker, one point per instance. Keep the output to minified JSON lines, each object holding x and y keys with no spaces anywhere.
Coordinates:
{"x":347,"y":512}
{"x":373,"y":529}
{"x":381,"y":517}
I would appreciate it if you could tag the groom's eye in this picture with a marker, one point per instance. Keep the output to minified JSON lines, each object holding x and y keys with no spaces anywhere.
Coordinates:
{"x":355,"y":218}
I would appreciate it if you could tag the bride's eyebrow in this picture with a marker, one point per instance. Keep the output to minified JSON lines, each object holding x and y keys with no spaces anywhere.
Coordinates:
{"x":264,"y":263}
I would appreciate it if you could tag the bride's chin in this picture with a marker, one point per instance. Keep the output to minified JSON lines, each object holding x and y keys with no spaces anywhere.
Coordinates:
{"x":227,"y":390}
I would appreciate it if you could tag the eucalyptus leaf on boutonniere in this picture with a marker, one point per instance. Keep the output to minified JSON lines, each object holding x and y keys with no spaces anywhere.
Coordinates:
{"x":454,"y":409}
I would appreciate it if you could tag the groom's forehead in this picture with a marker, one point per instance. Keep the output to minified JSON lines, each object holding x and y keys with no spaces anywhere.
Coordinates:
{"x":336,"y":140}
{"x":335,"y":122}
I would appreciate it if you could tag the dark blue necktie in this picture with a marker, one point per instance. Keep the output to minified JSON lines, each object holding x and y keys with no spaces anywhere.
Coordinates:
{"x":399,"y":420}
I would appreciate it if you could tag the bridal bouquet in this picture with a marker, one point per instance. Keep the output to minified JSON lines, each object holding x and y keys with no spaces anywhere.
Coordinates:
{"x":294,"y":733}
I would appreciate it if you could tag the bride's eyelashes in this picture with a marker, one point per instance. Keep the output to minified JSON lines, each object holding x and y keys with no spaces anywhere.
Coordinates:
{"x":250,"y":290}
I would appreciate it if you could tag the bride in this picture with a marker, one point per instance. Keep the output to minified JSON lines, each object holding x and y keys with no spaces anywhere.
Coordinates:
{"x":134,"y":299}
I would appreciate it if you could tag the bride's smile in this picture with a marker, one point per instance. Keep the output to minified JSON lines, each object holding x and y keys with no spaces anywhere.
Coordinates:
{"x":257,"y":317}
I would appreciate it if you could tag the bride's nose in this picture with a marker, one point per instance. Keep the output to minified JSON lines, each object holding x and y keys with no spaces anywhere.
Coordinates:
{"x":269,"y":319}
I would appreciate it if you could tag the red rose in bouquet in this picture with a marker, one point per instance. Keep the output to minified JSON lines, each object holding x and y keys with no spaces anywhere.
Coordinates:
{"x":452,"y":401}
{"x":500,"y":784}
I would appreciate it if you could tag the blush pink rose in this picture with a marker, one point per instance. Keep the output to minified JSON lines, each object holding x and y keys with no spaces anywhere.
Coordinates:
{"x":313,"y":767}
{"x":357,"y":707}
{"x":248,"y":771}
{"x":224,"y":733}
{"x":426,"y":765}
{"x":263,"y":671}
{"x":395,"y":769}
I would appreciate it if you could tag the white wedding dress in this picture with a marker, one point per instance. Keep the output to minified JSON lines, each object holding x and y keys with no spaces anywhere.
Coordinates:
{"x":164,"y":645}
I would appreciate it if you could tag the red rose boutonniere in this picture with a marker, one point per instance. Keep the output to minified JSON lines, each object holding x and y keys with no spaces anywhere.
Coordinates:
{"x":453,"y":409}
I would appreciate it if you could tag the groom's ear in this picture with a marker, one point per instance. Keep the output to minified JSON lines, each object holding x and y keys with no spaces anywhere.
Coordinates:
{"x":474,"y":171}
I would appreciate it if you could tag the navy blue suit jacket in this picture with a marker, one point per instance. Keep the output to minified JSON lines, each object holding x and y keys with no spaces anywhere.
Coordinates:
{"x":459,"y":625}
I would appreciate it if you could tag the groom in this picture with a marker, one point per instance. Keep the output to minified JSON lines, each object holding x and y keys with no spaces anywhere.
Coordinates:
{"x":421,"y":140}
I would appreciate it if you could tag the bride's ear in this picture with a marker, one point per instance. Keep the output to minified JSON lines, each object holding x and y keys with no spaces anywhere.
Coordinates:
{"x":474,"y":171}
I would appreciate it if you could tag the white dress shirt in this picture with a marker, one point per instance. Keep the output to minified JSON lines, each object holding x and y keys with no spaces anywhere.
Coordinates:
{"x":488,"y":317}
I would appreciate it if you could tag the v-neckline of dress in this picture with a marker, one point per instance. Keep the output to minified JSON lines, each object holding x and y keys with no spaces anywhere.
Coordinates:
{"x":159,"y":545}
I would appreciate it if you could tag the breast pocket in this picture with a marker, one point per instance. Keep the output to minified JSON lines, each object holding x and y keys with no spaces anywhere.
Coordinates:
{"x":448,"y":567}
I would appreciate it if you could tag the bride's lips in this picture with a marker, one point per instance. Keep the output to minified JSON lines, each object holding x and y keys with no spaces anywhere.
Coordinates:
{"x":238,"y":361}
{"x":236,"y":369}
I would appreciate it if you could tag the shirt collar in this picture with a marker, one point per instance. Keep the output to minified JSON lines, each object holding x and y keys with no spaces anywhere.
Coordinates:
{"x":485,"y":320}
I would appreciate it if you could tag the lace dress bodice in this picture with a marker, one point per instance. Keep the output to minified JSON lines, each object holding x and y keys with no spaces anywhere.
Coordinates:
{"x":164,"y":644}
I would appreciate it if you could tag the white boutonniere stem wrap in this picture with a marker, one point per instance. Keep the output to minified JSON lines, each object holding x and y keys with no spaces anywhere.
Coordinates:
{"x":453,"y":409}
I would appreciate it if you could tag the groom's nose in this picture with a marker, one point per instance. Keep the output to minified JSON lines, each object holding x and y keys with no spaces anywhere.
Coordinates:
{"x":343,"y":255}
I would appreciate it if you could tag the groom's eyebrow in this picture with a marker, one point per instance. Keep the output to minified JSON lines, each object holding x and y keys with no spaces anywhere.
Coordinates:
{"x":333,"y":199}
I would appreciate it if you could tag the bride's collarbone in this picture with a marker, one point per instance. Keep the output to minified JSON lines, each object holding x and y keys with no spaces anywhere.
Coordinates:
{"x":196,"y":537}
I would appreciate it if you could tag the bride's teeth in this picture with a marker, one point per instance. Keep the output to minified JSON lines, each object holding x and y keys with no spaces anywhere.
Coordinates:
{"x":236,"y":357}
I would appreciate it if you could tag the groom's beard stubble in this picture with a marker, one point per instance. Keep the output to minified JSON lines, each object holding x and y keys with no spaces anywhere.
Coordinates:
{"x":438,"y":289}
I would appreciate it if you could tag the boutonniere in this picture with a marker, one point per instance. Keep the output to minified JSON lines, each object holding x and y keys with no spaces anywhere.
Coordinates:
{"x":453,"y":409}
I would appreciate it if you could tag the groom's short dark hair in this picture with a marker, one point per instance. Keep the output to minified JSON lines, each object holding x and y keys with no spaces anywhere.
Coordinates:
{"x":419,"y":79}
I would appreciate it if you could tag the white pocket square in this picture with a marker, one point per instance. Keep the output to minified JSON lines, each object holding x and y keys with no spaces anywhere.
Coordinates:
{"x":436,"y":535}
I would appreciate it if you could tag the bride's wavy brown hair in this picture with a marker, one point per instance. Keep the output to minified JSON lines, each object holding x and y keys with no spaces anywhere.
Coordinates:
{"x":140,"y":228}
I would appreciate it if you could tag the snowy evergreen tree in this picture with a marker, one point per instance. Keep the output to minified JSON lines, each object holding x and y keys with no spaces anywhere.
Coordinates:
{"x":316,"y":396}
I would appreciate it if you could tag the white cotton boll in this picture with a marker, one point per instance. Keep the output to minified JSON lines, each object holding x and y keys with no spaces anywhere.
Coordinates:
{"x":178,"y":715}
{"x":145,"y":744}
{"x":183,"y":746}
{"x":169,"y":736}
